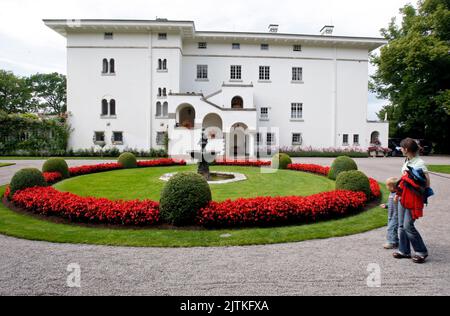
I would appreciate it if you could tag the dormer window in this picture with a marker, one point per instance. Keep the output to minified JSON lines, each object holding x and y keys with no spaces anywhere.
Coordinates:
{"x":297,"y":48}
{"x":162,"y":36}
{"x":109,"y":36}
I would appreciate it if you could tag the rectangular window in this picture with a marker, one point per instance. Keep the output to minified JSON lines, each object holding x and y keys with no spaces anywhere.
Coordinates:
{"x":117,"y":138}
{"x":264,"y":46}
{"x":202,"y":71}
{"x":356,"y":139}
{"x":258,"y":138}
{"x":297,"y":48}
{"x":264,"y":73}
{"x":270,"y":140}
{"x":236,"y":46}
{"x":345,"y":139}
{"x":109,"y":36}
{"x":99,"y":136}
{"x":264,"y":114}
{"x":297,"y":111}
{"x":297,"y":74}
{"x":236,"y":72}
{"x":297,"y":139}
{"x":160,"y":138}
{"x":202,"y":45}
{"x":162,"y":36}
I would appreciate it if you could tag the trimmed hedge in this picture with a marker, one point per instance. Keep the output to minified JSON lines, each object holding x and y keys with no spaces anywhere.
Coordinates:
{"x":341,"y":164}
{"x":57,"y":165}
{"x":355,"y":181}
{"x":128,"y":160}
{"x":183,"y":197}
{"x":281,"y":161}
{"x":27,"y":178}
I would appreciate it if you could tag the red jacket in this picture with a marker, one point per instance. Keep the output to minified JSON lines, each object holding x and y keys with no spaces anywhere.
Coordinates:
{"x":411,"y":199}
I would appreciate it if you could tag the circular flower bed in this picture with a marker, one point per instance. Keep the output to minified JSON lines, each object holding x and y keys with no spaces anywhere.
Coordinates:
{"x":262,"y":211}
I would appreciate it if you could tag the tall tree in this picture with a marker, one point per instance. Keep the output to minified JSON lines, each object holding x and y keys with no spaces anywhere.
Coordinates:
{"x":49,"y":92}
{"x":413,"y":73}
{"x":15,"y":94}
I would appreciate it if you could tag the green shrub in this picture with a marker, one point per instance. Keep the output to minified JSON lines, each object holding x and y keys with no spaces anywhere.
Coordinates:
{"x":57,"y":165}
{"x":281,"y":160}
{"x":353,"y":181}
{"x":182,"y":197}
{"x":27,"y":178}
{"x":128,"y":160}
{"x":341,"y":164}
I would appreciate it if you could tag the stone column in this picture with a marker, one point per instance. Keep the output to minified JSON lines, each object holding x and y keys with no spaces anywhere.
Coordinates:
{"x":251,"y":145}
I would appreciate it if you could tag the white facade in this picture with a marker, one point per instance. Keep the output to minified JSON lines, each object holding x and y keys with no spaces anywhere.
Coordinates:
{"x":170,"y":78}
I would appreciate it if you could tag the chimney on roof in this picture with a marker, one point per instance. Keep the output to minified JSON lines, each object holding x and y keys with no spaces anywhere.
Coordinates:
{"x":273,"y":28}
{"x":327,"y":30}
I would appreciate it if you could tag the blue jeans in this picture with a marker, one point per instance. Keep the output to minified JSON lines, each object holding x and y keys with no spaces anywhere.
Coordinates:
{"x":409,"y":234}
{"x":392,"y":230}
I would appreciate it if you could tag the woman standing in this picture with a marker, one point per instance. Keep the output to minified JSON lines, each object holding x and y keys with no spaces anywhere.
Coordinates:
{"x":409,"y":236}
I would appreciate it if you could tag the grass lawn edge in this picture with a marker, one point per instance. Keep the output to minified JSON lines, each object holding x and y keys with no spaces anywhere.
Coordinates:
{"x":445,"y":169}
{"x":28,"y":227}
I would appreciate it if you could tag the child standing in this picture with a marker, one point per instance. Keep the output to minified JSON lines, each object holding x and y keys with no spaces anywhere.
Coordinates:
{"x":392,"y":206}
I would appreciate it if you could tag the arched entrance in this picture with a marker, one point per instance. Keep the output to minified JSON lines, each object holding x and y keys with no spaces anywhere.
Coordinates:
{"x":238,"y":140}
{"x":213,"y":126}
{"x":375,"y":138}
{"x":237,"y":103}
{"x":186,"y":116}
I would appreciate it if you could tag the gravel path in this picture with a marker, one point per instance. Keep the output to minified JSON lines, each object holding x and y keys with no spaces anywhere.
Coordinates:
{"x":335,"y":266}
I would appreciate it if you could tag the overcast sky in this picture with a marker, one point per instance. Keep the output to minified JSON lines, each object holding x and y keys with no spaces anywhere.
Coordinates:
{"x":27,"y":46}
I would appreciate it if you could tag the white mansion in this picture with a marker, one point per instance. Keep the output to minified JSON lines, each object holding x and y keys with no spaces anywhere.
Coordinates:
{"x":130,"y":82}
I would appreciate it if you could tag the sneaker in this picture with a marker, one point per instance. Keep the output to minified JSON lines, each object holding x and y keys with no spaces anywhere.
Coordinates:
{"x":389,"y":246}
{"x":419,"y":259}
{"x":398,"y":255}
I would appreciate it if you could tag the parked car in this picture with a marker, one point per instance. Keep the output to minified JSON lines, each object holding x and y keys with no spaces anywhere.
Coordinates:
{"x":394,"y":146}
{"x":426,"y":147}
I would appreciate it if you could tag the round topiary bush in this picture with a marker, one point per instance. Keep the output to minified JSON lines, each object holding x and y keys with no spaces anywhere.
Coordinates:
{"x":353,"y":181}
{"x":27,"y":178}
{"x":57,"y":165}
{"x":341,"y":164}
{"x":128,"y":160}
{"x":281,"y":160}
{"x":182,"y":197}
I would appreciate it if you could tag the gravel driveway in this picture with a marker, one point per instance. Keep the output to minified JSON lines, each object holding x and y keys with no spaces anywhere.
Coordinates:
{"x":336,"y":266}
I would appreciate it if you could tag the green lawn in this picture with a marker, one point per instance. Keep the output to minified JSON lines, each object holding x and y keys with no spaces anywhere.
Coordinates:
{"x":141,"y":184}
{"x":6,"y":164}
{"x":28,"y":227}
{"x":440,"y":168}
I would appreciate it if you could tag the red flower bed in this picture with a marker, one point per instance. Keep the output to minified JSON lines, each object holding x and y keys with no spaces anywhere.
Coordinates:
{"x":84,"y":170}
{"x":52,"y":177}
{"x":266,"y":211}
{"x":316,"y":169}
{"x":7,"y":192}
{"x":243,"y":163}
{"x":50,"y":202}
{"x":375,"y":188}
{"x":161,"y":163}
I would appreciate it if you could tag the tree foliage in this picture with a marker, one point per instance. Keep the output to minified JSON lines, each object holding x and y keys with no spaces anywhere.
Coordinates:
{"x":414,"y":73}
{"x":44,"y":93}
{"x":15,"y":94}
{"x":49,"y":92}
